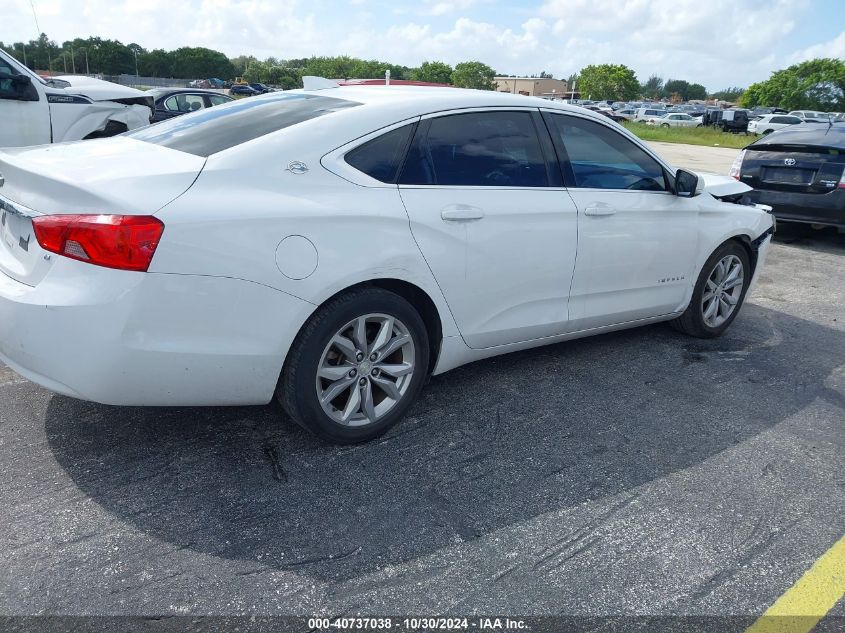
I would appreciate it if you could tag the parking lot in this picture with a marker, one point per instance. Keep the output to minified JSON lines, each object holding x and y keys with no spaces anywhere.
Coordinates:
{"x":635,"y":473}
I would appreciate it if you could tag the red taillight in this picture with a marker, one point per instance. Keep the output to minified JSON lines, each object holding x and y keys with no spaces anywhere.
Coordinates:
{"x":842,"y":180}
{"x":736,"y":168}
{"x":125,"y":242}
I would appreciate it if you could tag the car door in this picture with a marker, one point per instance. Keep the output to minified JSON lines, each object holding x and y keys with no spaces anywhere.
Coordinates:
{"x":24,"y":111}
{"x":637,"y":241}
{"x":488,"y":210}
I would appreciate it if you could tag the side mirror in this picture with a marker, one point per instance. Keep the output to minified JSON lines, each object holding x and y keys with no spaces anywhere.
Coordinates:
{"x":687,"y":184}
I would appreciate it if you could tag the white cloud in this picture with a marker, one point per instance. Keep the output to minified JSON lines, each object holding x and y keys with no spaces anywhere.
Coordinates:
{"x":718,"y":42}
{"x":834,"y":48}
{"x":439,"y":7}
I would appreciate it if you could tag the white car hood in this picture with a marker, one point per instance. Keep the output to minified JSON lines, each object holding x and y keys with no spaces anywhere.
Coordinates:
{"x":719,"y":186}
{"x":97,"y":89}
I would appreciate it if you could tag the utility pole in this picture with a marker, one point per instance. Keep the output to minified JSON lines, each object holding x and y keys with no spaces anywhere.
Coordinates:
{"x":87,"y":71}
{"x":73,"y":60}
{"x":23,"y":46}
{"x":135,"y":50}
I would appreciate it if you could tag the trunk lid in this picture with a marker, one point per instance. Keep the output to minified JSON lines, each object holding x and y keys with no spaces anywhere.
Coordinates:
{"x":115,"y":175}
{"x":795,"y":168}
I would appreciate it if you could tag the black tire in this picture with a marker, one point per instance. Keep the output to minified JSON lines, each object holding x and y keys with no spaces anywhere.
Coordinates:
{"x":296,"y":391}
{"x":692,"y":322}
{"x":664,"y":125}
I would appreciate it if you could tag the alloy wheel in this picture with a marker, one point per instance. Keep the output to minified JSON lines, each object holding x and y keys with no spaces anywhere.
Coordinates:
{"x":365,"y":369}
{"x":722,"y":291}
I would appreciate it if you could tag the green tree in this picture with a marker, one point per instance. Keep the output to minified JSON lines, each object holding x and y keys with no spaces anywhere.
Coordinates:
{"x":155,"y":63}
{"x":817,"y":84}
{"x":608,"y":81}
{"x":189,"y":62}
{"x":677,"y":87}
{"x":434,"y":72}
{"x":728,"y":94}
{"x":475,"y":75}
{"x":653,"y":88}
{"x":697,"y":91}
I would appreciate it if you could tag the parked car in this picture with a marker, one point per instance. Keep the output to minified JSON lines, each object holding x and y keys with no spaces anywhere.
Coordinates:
{"x":811,"y":116}
{"x":674,"y":119}
{"x":799,"y":171}
{"x":171,"y":102}
{"x":627,"y":113}
{"x":613,"y":116}
{"x":761,"y":111}
{"x":260,"y":88}
{"x":243,"y":89}
{"x":733,"y":120}
{"x":388,"y":240}
{"x":643,"y":114}
{"x":35,"y":111}
{"x":768,"y":123}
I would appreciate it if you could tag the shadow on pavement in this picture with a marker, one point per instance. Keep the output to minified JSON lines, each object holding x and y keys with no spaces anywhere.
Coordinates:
{"x":824,"y":240}
{"x":488,"y":446}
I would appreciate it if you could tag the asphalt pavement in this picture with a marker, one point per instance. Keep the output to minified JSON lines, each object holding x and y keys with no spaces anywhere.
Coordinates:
{"x":635,"y":473}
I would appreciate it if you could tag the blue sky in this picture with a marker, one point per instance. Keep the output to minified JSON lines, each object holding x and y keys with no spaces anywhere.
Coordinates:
{"x":718,"y":43}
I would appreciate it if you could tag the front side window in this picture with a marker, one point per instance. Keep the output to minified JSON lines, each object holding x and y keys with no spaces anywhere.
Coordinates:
{"x":213,"y":130}
{"x":478,"y":149}
{"x":218,"y":100}
{"x":601,"y":158}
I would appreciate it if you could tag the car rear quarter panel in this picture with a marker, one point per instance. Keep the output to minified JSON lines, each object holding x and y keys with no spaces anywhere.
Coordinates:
{"x":233,"y":221}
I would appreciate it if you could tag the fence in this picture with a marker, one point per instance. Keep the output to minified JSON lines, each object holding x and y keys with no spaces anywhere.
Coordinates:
{"x":136,"y":81}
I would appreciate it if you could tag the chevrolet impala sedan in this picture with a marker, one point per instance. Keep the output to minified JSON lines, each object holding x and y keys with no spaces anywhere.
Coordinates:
{"x":332,"y":247}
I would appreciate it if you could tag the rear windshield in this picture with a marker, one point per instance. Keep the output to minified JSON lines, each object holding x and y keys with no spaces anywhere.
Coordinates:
{"x":213,"y":130}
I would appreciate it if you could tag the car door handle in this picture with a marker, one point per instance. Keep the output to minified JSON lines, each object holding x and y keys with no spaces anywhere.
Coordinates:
{"x":461,"y":213}
{"x":599,"y":209}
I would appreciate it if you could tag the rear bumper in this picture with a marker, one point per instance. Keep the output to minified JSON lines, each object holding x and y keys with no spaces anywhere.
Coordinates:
{"x":148,"y":339}
{"x":814,"y":208}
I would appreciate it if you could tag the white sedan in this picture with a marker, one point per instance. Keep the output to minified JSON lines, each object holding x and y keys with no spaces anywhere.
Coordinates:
{"x":333,"y":247}
{"x":675,"y":120}
{"x":772,"y":122}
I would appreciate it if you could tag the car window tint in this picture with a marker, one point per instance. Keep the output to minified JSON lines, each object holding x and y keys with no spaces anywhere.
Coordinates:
{"x":213,"y":130}
{"x":602,"y":158}
{"x":381,"y":157}
{"x":218,"y":100}
{"x":6,"y":74}
{"x":479,"y":149}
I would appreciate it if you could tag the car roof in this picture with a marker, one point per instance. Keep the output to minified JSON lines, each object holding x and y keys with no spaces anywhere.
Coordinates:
{"x":159,"y":92}
{"x":832,"y":135}
{"x":425,"y":97}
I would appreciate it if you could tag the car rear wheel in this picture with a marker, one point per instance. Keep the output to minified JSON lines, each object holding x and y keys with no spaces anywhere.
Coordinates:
{"x":718,"y":294}
{"x":356,"y":367}
{"x":665,"y":125}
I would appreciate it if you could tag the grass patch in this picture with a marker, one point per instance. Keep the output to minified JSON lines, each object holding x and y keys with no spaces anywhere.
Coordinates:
{"x":709,"y":136}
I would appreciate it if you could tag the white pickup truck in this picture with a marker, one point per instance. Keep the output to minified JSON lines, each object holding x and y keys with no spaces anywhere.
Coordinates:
{"x":34,"y":111}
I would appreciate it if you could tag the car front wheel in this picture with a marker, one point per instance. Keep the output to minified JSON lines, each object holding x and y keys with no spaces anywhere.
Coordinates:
{"x":719,"y":293}
{"x":356,"y":367}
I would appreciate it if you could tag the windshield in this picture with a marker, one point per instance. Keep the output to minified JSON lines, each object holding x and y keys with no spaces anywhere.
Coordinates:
{"x":206,"y":132}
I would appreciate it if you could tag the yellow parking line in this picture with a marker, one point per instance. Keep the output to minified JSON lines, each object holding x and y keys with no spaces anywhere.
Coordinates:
{"x":810,"y":598}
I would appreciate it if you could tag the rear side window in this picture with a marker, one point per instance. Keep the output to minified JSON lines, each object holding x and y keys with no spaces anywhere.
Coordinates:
{"x":381,"y":157}
{"x":213,"y":130}
{"x":478,"y":149}
{"x":601,"y":158}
